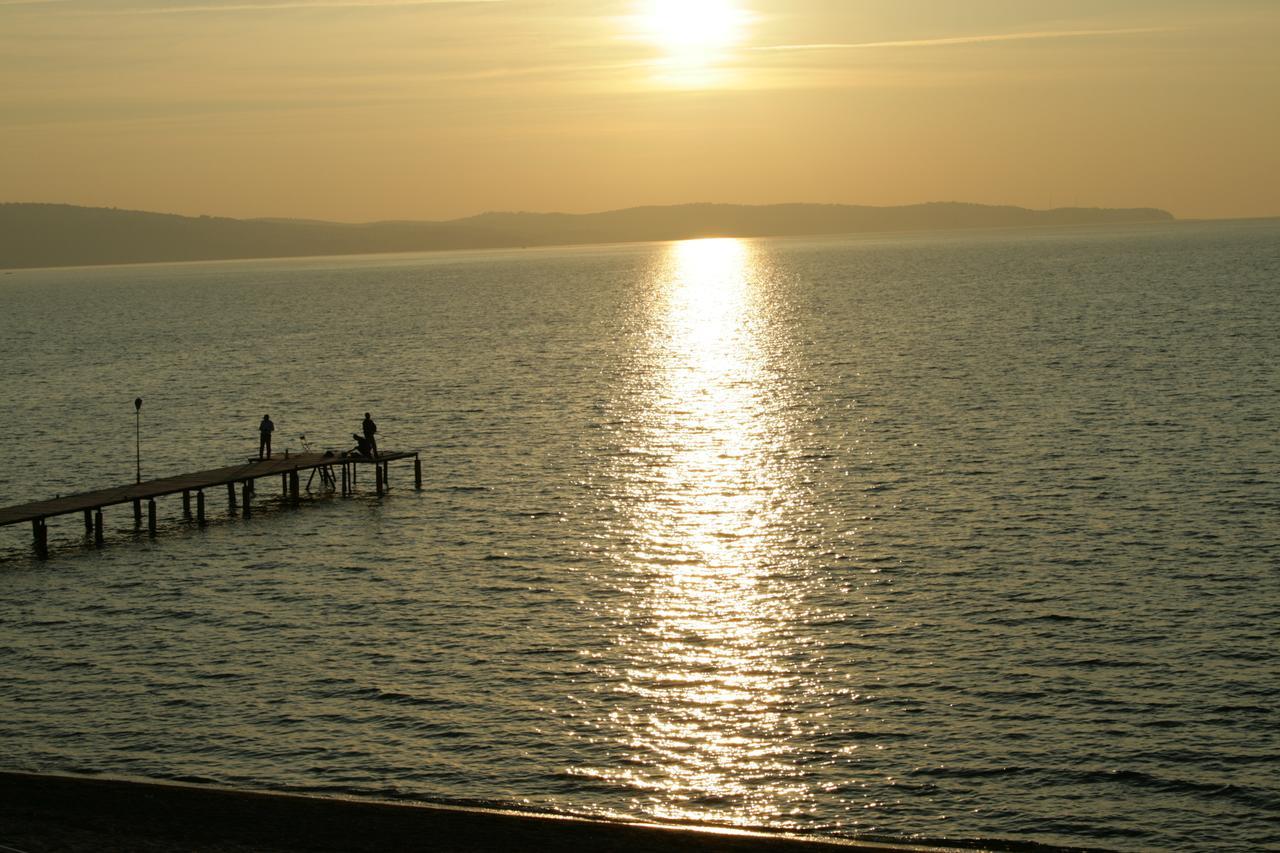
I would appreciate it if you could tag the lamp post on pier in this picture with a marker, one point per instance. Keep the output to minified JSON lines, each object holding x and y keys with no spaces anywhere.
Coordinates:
{"x":137,"y":434}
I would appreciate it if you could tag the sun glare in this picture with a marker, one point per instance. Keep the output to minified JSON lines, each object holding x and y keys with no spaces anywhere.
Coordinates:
{"x":693,"y":26}
{"x":694,"y":35}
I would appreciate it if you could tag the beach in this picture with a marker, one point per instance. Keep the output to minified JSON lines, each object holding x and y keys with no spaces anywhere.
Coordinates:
{"x":40,"y":813}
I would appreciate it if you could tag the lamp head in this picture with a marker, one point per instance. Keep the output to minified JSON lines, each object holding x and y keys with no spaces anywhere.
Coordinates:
{"x":137,"y":404}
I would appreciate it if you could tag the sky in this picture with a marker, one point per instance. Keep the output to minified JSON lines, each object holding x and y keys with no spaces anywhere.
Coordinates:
{"x":363,"y":110}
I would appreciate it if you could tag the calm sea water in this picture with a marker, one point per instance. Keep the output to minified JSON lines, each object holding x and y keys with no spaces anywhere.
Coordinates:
{"x":963,"y":536}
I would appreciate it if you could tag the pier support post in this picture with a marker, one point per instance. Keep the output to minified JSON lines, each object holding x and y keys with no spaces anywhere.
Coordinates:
{"x":200,"y":507}
{"x":137,"y":512}
{"x":88,"y":522}
{"x":247,"y":490}
{"x":378,"y":477}
{"x":98,"y":538}
{"x":151,"y":516}
{"x":40,"y":537}
{"x":284,"y":483}
{"x":231,"y":498}
{"x":293,"y":486}
{"x":417,"y":472}
{"x":186,"y":503}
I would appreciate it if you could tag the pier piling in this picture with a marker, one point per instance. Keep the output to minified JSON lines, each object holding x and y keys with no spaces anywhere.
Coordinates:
{"x":247,"y":489}
{"x":88,"y":522}
{"x":151,"y":516}
{"x":417,"y":472}
{"x":200,"y":507}
{"x":137,"y":512}
{"x":98,"y":538}
{"x":378,"y":478}
{"x":40,"y":537}
{"x":186,"y":504}
{"x":231,"y":498}
{"x":293,"y":486}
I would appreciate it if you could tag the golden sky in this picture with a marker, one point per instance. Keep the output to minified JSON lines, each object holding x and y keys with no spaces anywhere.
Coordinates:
{"x":359,"y":110}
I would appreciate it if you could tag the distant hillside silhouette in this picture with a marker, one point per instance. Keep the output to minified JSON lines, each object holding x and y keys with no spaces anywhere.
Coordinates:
{"x":38,"y":235}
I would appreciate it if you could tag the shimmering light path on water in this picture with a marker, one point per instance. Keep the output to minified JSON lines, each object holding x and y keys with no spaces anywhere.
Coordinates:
{"x":707,"y":618}
{"x":967,"y":536}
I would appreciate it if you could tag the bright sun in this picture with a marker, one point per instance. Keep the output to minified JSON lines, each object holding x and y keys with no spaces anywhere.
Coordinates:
{"x":692,"y":30}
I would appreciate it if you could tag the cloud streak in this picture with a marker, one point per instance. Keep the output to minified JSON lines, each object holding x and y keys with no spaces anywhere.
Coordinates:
{"x":284,"y":5}
{"x":964,"y":40}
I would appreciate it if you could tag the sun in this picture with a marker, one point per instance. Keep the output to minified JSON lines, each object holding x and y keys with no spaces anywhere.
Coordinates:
{"x":692,"y":30}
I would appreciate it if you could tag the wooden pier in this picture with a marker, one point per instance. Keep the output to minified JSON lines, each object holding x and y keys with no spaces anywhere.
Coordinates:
{"x":336,"y":473}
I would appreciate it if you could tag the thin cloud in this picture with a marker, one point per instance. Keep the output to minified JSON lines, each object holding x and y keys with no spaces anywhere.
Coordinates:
{"x":290,"y":5}
{"x":961,"y":40}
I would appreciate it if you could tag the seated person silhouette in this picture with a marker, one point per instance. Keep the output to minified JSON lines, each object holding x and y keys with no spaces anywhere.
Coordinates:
{"x":364,"y":446}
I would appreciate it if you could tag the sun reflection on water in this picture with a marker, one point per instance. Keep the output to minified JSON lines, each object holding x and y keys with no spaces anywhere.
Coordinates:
{"x":706,"y":727}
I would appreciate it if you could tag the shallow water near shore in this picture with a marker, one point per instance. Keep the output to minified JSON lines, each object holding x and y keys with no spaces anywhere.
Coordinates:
{"x":964,"y":536}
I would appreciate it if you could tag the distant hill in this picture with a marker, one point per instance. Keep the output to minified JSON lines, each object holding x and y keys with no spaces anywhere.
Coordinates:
{"x":39,"y":235}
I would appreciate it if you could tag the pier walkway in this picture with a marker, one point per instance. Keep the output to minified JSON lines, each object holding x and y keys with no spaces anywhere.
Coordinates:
{"x":287,"y":468}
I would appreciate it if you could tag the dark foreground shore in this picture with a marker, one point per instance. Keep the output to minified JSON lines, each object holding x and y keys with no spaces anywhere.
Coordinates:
{"x":39,"y":814}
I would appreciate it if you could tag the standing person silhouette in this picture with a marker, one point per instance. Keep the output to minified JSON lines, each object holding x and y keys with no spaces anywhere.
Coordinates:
{"x":264,"y":436}
{"x":370,"y":429}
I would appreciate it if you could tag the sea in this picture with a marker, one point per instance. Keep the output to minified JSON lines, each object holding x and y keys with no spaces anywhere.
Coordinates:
{"x":966,"y":536}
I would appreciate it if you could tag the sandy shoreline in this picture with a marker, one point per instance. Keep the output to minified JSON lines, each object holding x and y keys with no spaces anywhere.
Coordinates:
{"x":41,"y":813}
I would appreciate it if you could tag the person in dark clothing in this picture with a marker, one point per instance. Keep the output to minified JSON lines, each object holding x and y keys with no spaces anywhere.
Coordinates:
{"x":264,"y":436}
{"x":370,"y":429}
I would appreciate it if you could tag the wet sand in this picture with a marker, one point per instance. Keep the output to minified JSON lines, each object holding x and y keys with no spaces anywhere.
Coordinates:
{"x":41,"y":813}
